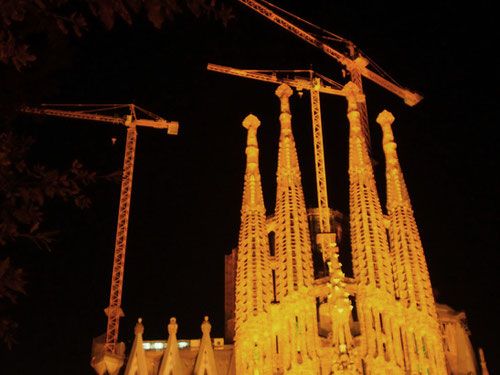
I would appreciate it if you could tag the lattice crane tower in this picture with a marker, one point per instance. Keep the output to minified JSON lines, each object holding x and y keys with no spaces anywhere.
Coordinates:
{"x":110,"y":360}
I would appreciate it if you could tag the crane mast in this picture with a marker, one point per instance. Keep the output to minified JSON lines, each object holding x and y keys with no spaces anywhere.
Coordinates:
{"x":131,"y":121}
{"x":114,"y":311}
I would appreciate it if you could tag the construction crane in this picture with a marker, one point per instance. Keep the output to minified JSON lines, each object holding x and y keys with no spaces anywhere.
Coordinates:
{"x":315,"y":83}
{"x":94,"y":112}
{"x":355,"y":63}
{"x":356,"y":66}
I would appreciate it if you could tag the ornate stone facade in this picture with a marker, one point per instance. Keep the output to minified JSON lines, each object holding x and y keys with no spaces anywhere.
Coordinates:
{"x":397,"y":329}
{"x":286,"y":320}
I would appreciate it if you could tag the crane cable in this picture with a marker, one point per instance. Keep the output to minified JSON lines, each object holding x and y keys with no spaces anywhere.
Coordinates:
{"x":332,"y":35}
{"x":379,"y":70}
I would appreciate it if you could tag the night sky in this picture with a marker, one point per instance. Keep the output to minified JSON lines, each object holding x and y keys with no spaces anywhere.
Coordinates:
{"x":187,"y":188}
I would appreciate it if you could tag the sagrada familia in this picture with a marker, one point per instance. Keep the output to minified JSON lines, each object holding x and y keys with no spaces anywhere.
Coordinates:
{"x":285,"y":317}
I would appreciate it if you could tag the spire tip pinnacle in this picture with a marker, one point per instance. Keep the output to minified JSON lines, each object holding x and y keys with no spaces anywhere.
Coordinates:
{"x":385,"y":118}
{"x":283,"y":91}
{"x":251,"y":122}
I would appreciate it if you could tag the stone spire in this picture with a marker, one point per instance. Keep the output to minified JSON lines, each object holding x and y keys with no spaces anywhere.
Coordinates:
{"x":205,"y":361}
{"x":293,"y":247}
{"x":411,"y":276}
{"x":254,"y":286}
{"x":297,"y":337}
{"x":136,"y":364}
{"x":171,"y":363}
{"x":370,"y":249}
{"x":371,"y":259}
{"x":412,"y":282}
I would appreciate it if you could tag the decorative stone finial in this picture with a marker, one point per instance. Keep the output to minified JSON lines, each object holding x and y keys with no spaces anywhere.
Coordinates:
{"x":283,"y":91}
{"x":251,"y":122}
{"x":206,"y":327}
{"x":351,"y":90}
{"x":139,"y":328}
{"x":172,"y":326}
{"x":385,"y":118}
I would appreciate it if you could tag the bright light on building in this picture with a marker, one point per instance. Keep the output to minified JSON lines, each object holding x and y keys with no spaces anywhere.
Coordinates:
{"x":183,"y":344}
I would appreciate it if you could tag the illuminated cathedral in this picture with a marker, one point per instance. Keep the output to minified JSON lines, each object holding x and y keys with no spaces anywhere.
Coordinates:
{"x":284,"y":316}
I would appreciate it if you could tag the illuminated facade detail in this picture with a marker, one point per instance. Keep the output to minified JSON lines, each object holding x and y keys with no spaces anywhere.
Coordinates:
{"x":390,"y":334}
{"x":412,"y":283}
{"x":294,"y":323}
{"x":458,"y":350}
{"x":205,"y":356}
{"x":254,"y":288}
{"x":171,"y":363}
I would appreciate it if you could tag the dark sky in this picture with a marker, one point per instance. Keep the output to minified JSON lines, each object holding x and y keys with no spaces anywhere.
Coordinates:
{"x":187,"y":188}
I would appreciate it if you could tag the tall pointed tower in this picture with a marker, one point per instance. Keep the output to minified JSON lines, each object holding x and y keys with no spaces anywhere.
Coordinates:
{"x":411,"y":277}
{"x":254,"y":289}
{"x":370,"y":252}
{"x":296,"y":328}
